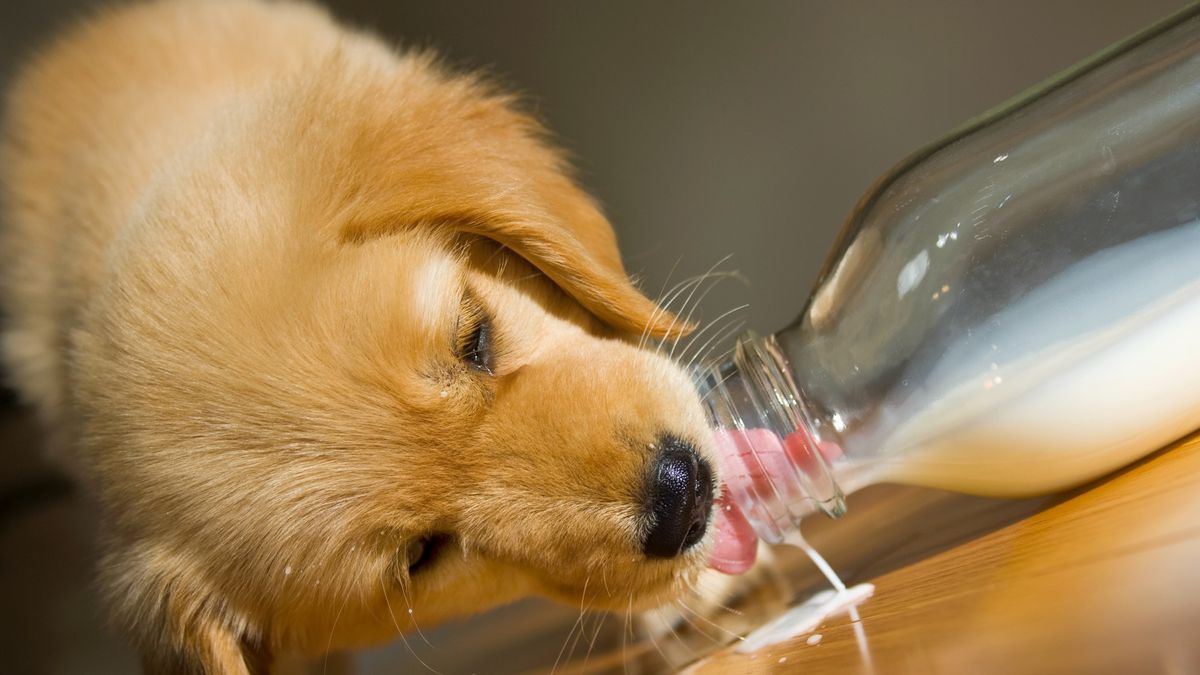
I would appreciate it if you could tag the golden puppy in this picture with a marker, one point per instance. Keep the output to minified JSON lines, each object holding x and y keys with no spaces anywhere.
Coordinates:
{"x":333,"y":339}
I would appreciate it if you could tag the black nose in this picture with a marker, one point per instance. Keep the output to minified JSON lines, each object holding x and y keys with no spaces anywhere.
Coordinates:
{"x":680,"y":498}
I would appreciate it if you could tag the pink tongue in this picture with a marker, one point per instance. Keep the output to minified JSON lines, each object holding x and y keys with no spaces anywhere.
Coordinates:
{"x":748,"y":459}
{"x":736,"y":544}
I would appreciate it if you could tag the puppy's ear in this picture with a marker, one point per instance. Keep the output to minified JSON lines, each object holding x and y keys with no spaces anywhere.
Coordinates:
{"x":477,"y":165}
{"x":569,"y":241}
{"x":564,"y":235}
{"x":579,"y":253}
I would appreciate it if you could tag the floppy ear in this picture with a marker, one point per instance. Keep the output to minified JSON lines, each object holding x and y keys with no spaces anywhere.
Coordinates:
{"x":565,"y":237}
{"x":476,"y":165}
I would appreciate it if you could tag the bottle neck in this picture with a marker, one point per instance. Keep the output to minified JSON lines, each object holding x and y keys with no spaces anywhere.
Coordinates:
{"x":776,"y":466}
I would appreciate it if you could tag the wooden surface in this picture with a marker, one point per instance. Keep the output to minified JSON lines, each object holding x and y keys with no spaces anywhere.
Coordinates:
{"x":1103,"y":580}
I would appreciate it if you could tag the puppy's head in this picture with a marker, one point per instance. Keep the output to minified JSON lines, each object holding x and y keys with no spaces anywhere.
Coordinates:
{"x":379,"y":365}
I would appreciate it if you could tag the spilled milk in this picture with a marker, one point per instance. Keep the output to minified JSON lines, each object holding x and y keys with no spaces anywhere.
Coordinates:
{"x":811,"y":614}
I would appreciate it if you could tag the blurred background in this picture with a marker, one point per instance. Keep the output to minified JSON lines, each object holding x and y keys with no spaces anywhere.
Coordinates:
{"x":705,"y":129}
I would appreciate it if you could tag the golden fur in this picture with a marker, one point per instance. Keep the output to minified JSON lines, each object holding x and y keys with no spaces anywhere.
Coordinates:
{"x":238,"y":242}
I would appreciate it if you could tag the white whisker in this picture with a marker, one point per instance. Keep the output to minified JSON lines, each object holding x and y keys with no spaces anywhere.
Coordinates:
{"x":625,"y":632}
{"x":688,"y":285}
{"x":705,"y":619}
{"x":696,"y":628}
{"x":578,"y":634}
{"x":692,"y":294}
{"x":683,"y":643}
{"x":412,"y":615}
{"x":595,"y":634}
{"x":577,"y":624}
{"x":722,"y":380}
{"x":717,"y":336}
{"x":666,"y":659}
{"x":332,"y":630}
{"x":664,"y":304}
{"x":403,"y":638}
{"x":718,"y":277}
{"x":658,"y":305}
{"x":696,"y":591}
{"x":702,"y":358}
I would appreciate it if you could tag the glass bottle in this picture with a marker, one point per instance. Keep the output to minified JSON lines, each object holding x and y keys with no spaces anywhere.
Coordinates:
{"x":1012,"y":310}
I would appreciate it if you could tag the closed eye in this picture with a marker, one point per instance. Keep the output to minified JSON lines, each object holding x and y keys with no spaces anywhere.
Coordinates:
{"x":423,"y":552}
{"x":475,"y":339}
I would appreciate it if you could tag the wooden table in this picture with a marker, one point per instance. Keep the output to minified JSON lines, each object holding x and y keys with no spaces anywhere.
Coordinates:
{"x":1102,"y":580}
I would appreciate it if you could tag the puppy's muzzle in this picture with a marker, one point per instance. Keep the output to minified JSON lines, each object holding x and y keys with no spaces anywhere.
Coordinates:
{"x":681,"y":496}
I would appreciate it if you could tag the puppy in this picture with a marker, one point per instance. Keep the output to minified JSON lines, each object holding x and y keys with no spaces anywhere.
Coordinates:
{"x":334,"y":341}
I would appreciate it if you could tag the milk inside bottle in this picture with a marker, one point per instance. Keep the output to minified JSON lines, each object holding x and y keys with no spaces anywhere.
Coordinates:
{"x":1013,"y":310}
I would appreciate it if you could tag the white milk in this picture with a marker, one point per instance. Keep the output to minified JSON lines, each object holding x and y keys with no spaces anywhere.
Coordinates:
{"x":1071,"y":409}
{"x":807,"y":617}
{"x":813,"y":613}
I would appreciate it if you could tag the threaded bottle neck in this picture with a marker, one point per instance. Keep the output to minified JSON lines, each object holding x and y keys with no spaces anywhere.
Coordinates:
{"x":774,"y":466}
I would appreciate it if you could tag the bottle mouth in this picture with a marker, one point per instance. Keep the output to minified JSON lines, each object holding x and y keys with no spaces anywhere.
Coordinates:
{"x":775,"y":469}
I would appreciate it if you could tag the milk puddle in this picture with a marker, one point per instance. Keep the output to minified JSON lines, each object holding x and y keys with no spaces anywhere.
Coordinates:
{"x":809,"y":615}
